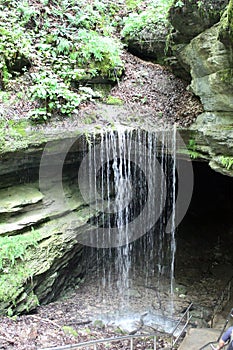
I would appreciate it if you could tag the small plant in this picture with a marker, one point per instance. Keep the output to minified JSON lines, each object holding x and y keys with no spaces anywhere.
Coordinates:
{"x":160,"y":114}
{"x":192,"y":149}
{"x":99,"y":52}
{"x":113,"y":100}
{"x":192,"y":145}
{"x":200,"y":3}
{"x":54,"y":95}
{"x":70,"y":330}
{"x":26,"y":12}
{"x":227,"y":162}
{"x":14,"y":248}
{"x":179,"y":3}
{"x":133,"y":4}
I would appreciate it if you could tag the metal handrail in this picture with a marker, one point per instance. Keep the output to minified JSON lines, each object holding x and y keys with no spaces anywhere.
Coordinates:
{"x":223,"y":298}
{"x":94,"y":343}
{"x":174,"y":339}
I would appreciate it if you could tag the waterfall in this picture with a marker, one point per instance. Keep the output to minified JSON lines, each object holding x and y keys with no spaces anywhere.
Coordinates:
{"x":128,"y":177}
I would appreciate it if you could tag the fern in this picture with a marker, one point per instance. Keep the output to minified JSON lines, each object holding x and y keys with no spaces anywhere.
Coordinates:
{"x":227,"y":162}
{"x":13,"y":248}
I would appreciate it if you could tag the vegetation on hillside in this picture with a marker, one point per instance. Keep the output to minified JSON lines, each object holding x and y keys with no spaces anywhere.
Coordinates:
{"x":155,"y":14}
{"x":51,"y":51}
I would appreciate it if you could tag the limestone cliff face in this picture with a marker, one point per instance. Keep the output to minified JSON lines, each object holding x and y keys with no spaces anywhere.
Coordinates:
{"x":199,"y":49}
{"x":33,"y":216}
{"x":208,"y":57}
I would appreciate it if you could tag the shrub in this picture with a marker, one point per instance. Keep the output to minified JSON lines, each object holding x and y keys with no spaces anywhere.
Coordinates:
{"x":155,"y":14}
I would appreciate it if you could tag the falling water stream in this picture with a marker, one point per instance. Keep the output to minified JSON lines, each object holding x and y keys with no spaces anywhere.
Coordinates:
{"x":131,"y":176}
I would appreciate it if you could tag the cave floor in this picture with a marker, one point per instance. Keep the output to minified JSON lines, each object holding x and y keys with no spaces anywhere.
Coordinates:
{"x":89,"y":312}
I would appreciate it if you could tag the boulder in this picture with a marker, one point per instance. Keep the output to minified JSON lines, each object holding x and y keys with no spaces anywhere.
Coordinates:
{"x":210,"y":67}
{"x":190,"y":17}
{"x":150,"y":43}
{"x":214,"y":140}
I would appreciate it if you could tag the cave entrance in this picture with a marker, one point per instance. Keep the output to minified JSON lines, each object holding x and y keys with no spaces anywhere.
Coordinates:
{"x":203,"y":261}
{"x":204,"y":236}
{"x":204,"y":252}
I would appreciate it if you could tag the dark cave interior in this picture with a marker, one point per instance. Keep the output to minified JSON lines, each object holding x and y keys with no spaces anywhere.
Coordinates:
{"x":205,"y":235}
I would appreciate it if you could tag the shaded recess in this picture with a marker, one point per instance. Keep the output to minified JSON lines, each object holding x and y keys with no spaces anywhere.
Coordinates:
{"x":205,"y":235}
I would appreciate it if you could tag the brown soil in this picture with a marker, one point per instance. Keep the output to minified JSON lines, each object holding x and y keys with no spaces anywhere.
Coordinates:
{"x":153,"y":91}
{"x":149,"y":92}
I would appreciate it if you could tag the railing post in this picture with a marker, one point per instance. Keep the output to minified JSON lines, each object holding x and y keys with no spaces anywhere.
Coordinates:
{"x":131,"y":344}
{"x":154,"y":342}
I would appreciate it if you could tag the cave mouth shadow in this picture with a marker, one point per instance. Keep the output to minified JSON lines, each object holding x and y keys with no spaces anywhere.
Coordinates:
{"x":205,"y":235}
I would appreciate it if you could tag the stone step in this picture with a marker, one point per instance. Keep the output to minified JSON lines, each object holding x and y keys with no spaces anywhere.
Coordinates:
{"x":198,"y":337}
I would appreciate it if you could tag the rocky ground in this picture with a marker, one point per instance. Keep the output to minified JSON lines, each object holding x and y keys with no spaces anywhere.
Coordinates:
{"x":90,"y":311}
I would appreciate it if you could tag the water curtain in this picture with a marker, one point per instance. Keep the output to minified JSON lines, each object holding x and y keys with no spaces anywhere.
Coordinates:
{"x":131,"y":176}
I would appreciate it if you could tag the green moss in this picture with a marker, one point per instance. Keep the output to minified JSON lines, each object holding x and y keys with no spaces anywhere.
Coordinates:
{"x":226,"y":76}
{"x":230,"y":18}
{"x":13,"y":134}
{"x":15,"y":256}
{"x":70,"y":330}
{"x":112,"y":100}
{"x":226,"y":26}
{"x":99,"y":324}
{"x":227,"y":162}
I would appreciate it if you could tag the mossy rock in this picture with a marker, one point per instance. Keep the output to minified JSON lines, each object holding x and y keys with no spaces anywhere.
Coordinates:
{"x":113,"y":100}
{"x":15,"y":198}
{"x":226,"y":26}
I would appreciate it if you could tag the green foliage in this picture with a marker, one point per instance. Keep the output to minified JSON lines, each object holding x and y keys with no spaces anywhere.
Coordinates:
{"x":26,"y":12}
{"x":69,"y":40}
{"x":192,"y":149}
{"x":113,"y":100}
{"x":227,"y":162}
{"x":98,"y":52}
{"x":55,"y":96}
{"x":155,"y":14}
{"x":15,"y":43}
{"x":133,"y":4}
{"x":70,"y":330}
{"x":13,"y":248}
{"x":179,"y":3}
{"x":192,"y":144}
